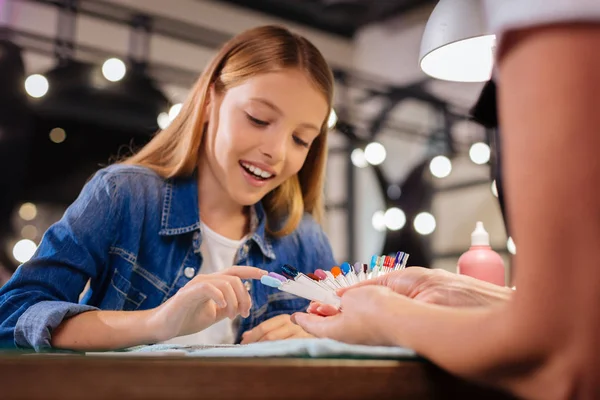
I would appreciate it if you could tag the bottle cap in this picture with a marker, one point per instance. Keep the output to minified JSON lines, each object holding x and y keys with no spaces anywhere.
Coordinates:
{"x":480,"y":237}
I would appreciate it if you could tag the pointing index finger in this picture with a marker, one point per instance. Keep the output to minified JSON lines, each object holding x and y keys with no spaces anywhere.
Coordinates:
{"x":244,"y":272}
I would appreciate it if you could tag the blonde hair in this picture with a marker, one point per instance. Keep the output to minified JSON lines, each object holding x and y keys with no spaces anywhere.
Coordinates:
{"x":174,"y":151}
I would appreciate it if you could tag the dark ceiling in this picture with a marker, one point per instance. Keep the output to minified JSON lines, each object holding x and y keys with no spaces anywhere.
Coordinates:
{"x":340,"y":17}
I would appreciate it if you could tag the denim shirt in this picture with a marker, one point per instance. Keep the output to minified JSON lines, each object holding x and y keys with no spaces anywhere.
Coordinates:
{"x":136,"y":238}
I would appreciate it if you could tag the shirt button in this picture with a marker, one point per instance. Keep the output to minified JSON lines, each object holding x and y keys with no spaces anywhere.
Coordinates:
{"x":245,"y":248}
{"x":196,"y":235}
{"x":189,"y":272}
{"x":247,"y":285}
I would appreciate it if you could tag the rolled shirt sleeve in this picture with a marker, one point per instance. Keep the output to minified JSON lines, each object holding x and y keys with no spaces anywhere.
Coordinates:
{"x":45,"y":290}
{"x":506,"y":15}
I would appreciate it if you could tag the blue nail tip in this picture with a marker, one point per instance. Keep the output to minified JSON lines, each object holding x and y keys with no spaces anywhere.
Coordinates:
{"x":270,"y":281}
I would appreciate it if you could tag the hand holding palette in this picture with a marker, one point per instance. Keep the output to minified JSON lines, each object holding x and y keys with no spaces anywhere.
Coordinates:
{"x":321,"y":285}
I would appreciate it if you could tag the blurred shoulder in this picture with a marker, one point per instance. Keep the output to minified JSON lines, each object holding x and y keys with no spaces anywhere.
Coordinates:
{"x":308,"y":227}
{"x":311,"y":236}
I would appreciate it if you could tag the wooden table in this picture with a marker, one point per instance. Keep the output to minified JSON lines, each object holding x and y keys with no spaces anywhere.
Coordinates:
{"x":48,"y":377}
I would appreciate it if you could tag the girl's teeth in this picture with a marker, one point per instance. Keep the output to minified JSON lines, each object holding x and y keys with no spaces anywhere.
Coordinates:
{"x":257,"y":171}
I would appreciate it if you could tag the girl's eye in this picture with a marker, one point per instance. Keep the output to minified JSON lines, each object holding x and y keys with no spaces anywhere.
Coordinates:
{"x":257,"y":121}
{"x":300,"y":142}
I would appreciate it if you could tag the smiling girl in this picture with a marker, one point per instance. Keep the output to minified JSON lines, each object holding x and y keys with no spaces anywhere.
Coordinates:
{"x":173,"y":238}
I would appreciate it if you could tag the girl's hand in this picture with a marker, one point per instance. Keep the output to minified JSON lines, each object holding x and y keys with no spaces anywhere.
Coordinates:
{"x":277,"y":328}
{"x":203,"y":301}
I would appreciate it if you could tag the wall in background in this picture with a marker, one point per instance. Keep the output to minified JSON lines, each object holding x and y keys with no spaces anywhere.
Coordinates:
{"x":388,"y":50}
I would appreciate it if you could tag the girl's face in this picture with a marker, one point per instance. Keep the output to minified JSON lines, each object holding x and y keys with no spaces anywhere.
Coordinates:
{"x":264,"y":130}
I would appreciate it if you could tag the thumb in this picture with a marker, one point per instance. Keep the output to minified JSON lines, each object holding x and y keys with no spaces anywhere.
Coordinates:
{"x":244,"y":272}
{"x":402,"y":282}
{"x":379,"y":281}
{"x":317,"y":325}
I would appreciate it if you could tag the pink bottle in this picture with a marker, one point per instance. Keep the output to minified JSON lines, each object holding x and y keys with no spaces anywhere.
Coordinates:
{"x":480,"y":261}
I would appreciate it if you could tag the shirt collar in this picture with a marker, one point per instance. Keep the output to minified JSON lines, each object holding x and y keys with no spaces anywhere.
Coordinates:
{"x":180,"y":213}
{"x":258,"y":225}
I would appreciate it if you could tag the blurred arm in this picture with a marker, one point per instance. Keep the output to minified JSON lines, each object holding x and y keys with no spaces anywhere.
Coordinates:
{"x":542,"y":342}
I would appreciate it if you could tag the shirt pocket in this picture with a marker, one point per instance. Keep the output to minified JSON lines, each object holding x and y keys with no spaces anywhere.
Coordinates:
{"x":284,"y":303}
{"x":122,"y":295}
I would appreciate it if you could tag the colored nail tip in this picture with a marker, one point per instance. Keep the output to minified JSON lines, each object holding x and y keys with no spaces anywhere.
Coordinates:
{"x":270,"y":281}
{"x":321,"y":274}
{"x":357,"y":267}
{"x":313,"y":277}
{"x":345,"y":267}
{"x":336,"y":271}
{"x":287,"y":268}
{"x":277,"y":276}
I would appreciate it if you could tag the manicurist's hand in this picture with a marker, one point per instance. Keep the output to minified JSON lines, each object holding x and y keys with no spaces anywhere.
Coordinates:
{"x":437,"y":286}
{"x":434,"y":286}
{"x":365,"y":319}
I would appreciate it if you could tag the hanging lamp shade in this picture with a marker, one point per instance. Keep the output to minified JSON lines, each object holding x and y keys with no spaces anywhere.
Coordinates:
{"x":456,"y":45}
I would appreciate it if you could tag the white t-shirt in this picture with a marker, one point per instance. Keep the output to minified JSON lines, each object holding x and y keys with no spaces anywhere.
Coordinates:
{"x":505,"y":15}
{"x":218,"y":253}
